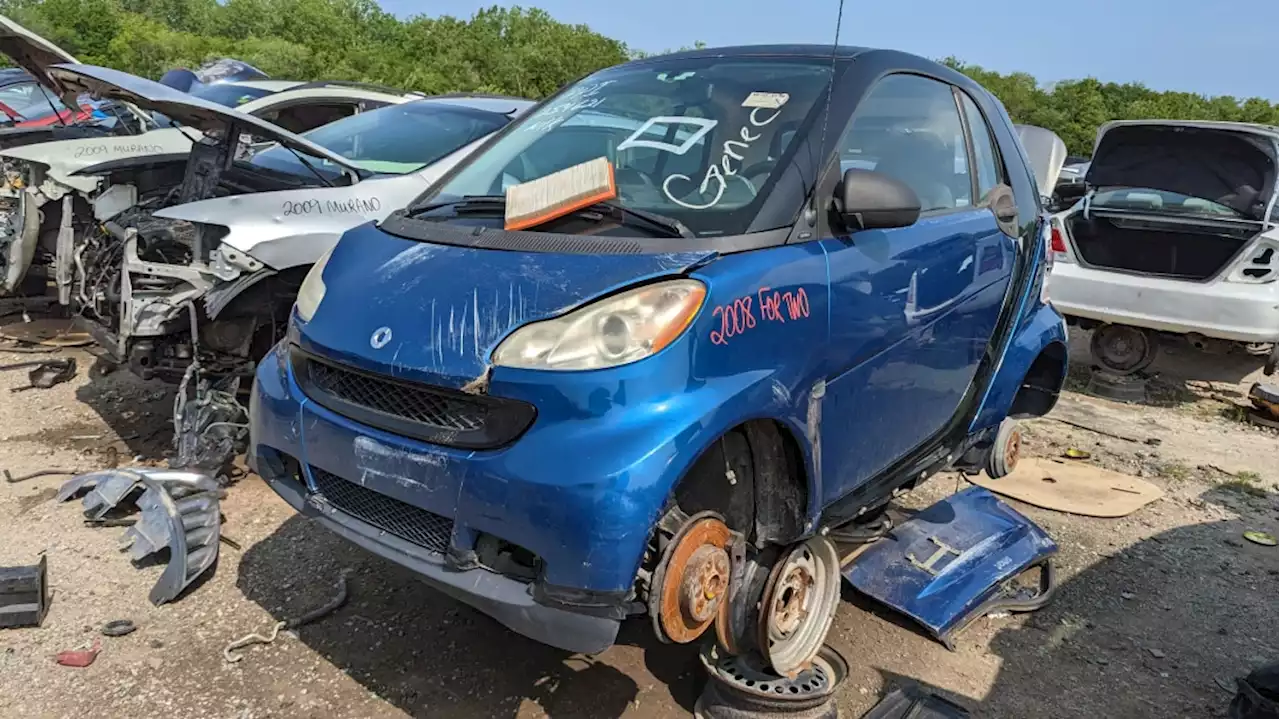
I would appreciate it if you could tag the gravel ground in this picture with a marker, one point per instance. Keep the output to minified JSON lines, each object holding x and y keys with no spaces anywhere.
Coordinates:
{"x":1157,"y":612}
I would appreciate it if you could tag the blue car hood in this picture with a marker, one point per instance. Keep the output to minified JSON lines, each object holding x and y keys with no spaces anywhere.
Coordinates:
{"x":448,"y":307}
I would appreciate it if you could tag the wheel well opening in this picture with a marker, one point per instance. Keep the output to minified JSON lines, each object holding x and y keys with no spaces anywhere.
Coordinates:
{"x":754,"y":476}
{"x":1042,"y":383}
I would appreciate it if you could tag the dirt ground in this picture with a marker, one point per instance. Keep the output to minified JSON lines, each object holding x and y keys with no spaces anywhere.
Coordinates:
{"x":1156,"y":615}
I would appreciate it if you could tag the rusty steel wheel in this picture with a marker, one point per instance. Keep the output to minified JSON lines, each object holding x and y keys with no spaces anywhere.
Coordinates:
{"x":799,"y":604}
{"x":1005,"y":451}
{"x":692,"y":580}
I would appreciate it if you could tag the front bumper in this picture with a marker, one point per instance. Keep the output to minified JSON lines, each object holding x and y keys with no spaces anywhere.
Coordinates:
{"x":580,"y":613}
{"x":1224,"y":310}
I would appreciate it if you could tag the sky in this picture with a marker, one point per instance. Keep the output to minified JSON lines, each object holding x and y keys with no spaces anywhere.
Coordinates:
{"x":1187,"y":45}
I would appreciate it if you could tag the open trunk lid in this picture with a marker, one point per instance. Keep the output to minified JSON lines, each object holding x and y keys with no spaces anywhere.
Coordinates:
{"x":1230,"y":164}
{"x":35,"y":55}
{"x":441,"y":309}
{"x":188,"y":110}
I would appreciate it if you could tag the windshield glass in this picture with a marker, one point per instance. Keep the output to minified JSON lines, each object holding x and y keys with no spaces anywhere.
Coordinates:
{"x":1137,"y":198}
{"x":392,"y":140}
{"x":697,"y":140}
{"x":229,"y":93}
{"x":28,"y":101}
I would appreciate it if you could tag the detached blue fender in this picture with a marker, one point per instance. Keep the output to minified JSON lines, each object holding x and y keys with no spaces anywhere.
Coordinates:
{"x":1041,"y":329}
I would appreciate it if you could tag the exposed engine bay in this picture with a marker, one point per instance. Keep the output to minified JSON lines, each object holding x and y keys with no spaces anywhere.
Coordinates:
{"x":130,"y":276}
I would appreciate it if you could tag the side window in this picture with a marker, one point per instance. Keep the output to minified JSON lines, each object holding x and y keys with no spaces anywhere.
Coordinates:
{"x":984,"y":152}
{"x":302,"y":118}
{"x":908,"y":128}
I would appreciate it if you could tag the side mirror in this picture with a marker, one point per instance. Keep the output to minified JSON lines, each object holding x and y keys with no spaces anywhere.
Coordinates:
{"x":869,"y":200}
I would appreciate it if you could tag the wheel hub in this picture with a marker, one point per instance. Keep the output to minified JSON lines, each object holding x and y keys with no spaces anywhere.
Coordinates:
{"x":1013,"y":448}
{"x":691,"y":581}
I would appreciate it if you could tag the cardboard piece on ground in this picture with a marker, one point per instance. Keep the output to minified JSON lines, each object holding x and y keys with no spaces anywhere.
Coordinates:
{"x":1073,"y":487}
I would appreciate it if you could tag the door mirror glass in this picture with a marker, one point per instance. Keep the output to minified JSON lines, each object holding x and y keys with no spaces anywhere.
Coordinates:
{"x":870,"y":200}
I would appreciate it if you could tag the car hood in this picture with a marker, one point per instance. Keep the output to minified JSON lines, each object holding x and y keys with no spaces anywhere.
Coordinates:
{"x":448,"y":307}
{"x":65,"y":159}
{"x":188,"y":110}
{"x":34,"y":54}
{"x":1046,"y":152}
{"x":1232,"y":164}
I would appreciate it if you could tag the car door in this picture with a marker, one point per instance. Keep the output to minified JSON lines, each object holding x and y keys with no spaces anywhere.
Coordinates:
{"x":912,"y":308}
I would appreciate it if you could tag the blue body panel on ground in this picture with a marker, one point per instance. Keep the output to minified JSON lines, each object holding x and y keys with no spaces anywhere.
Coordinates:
{"x":992,"y":543}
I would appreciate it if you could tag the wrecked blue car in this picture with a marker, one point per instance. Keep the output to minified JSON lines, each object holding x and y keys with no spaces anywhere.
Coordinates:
{"x":662,"y":341}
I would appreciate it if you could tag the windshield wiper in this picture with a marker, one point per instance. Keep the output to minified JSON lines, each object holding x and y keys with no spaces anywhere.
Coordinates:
{"x":626,"y":215}
{"x":464,"y":204}
{"x":597,"y":212}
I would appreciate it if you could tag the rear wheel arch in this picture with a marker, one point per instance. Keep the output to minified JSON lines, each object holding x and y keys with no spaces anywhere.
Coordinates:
{"x":1042,"y":383}
{"x":755,"y":476}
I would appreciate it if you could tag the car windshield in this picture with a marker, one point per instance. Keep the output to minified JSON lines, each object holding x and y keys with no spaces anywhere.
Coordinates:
{"x":229,"y":94}
{"x":28,"y":101}
{"x":1137,"y":198}
{"x":698,"y":140}
{"x":392,"y":140}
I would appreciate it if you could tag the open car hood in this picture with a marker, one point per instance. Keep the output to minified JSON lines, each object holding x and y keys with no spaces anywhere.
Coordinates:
{"x":184,"y":109}
{"x":34,"y":54}
{"x":1232,"y":164}
{"x":1046,"y":152}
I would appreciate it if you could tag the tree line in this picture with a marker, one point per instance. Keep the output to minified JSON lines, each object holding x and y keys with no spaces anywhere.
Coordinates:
{"x":514,"y":51}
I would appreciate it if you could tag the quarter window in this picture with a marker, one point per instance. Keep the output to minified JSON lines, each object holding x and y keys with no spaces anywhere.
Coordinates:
{"x":908,"y":127}
{"x":984,"y":152}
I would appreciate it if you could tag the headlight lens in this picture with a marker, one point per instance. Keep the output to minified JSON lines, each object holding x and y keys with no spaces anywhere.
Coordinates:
{"x":615,"y":331}
{"x":312,"y":290}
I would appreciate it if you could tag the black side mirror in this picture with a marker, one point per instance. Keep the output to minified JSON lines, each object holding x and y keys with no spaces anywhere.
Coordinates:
{"x":869,"y":200}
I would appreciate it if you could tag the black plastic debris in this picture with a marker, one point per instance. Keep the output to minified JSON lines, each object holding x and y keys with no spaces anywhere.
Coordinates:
{"x":1257,"y":694}
{"x":915,"y":703}
{"x":24,"y":595}
{"x":44,"y":373}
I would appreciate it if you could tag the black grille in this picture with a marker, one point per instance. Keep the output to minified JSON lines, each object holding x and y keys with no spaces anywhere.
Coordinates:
{"x":412,"y":524}
{"x":434,"y":414}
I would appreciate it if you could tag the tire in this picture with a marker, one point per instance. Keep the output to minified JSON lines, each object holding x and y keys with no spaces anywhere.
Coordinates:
{"x":1269,"y":369}
{"x":1122,"y":350}
{"x":1003,"y":457}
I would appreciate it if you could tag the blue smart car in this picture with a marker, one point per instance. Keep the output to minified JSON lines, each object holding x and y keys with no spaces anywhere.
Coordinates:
{"x":803,"y":282}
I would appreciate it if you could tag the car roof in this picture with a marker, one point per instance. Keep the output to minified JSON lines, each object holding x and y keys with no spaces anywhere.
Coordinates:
{"x":1249,"y":127}
{"x":841,"y":52}
{"x":269,"y":85}
{"x":500,"y":104}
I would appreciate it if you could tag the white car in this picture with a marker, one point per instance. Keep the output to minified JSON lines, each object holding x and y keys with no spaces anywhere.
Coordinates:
{"x":200,"y":253}
{"x":41,"y":181}
{"x":1176,"y":235}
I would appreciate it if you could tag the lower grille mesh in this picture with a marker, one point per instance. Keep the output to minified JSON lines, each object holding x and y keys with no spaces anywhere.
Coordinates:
{"x":412,"y":524}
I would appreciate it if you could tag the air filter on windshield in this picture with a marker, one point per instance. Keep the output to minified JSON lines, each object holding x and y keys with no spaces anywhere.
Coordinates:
{"x":560,"y":193}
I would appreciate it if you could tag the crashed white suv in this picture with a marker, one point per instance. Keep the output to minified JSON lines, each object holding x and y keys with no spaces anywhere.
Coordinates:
{"x":1176,"y":235}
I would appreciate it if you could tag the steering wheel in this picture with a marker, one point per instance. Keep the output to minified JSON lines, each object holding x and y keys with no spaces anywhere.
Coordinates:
{"x":630,"y":176}
{"x":763,"y":168}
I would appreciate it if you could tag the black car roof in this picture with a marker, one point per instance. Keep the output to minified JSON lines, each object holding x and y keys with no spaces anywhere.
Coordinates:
{"x":841,"y":54}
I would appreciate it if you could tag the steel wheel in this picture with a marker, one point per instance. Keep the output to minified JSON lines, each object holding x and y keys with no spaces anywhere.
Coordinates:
{"x":1006,"y":449}
{"x":1122,"y":349}
{"x":799,"y":604}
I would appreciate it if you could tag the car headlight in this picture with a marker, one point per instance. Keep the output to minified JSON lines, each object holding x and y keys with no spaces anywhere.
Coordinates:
{"x":624,"y":328}
{"x":312,"y":290}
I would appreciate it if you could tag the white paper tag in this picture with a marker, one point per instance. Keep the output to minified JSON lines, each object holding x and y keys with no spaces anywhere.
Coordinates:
{"x":766,"y":100}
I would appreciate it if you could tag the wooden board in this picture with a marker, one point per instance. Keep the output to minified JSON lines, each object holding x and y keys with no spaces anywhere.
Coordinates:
{"x":1073,"y":487}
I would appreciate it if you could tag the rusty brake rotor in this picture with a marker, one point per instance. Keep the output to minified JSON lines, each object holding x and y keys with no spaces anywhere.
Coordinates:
{"x":692,"y":580}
